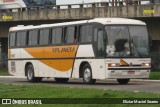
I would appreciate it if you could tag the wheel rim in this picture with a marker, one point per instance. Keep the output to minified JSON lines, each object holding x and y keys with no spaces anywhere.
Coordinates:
{"x":30,"y":73}
{"x":87,"y":74}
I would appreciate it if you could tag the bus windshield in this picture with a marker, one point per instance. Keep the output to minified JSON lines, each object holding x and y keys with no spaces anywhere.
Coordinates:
{"x":127,"y":41}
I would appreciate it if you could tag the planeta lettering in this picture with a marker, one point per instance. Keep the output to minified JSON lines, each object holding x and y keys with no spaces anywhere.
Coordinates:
{"x":67,"y":49}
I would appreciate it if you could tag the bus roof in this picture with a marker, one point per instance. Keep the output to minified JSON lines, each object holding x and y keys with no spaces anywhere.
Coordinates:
{"x":104,"y":21}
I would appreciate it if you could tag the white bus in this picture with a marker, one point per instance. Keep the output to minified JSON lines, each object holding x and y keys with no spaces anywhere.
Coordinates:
{"x":100,"y":48}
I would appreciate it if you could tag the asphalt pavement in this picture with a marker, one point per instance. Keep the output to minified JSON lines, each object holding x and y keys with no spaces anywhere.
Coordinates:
{"x":136,"y":85}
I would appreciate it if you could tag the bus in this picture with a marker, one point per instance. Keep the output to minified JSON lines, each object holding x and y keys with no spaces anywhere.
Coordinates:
{"x":99,"y":48}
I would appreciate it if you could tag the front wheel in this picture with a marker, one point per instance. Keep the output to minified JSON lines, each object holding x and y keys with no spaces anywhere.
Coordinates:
{"x":123,"y":81}
{"x":87,"y":75}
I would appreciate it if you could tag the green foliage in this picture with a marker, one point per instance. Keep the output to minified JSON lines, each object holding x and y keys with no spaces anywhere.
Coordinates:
{"x":4,"y":72}
{"x":155,"y":75}
{"x":43,"y":91}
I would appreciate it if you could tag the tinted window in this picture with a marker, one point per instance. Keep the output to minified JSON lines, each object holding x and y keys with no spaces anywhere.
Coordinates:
{"x":82,"y":33}
{"x":56,"y":36}
{"x":100,"y":43}
{"x":33,"y":37}
{"x":118,"y":41}
{"x":44,"y":37}
{"x":69,"y":35}
{"x":95,"y":34}
{"x":21,"y":39}
{"x":139,"y":41}
{"x":12,"y":39}
{"x":18,"y":41}
{"x":86,"y":33}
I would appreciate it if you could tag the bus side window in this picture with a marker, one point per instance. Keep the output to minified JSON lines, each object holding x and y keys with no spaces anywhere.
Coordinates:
{"x":69,"y":35}
{"x":89,"y":33}
{"x":82,"y":33}
{"x":18,"y":39}
{"x":86,"y":33}
{"x":12,"y":39}
{"x":21,"y":38}
{"x":95,"y":34}
{"x":56,"y":36}
{"x":100,"y":43}
{"x":44,"y":37}
{"x":33,"y":37}
{"x":76,"y":35}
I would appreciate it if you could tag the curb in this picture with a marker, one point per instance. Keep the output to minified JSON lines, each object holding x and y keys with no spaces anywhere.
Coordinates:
{"x":12,"y":77}
{"x":144,"y":80}
{"x":132,"y":80}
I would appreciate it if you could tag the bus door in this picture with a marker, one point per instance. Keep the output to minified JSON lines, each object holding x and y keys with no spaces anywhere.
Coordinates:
{"x":99,"y":49}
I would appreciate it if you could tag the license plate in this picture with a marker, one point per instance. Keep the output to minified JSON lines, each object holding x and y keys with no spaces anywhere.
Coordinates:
{"x":131,"y":72}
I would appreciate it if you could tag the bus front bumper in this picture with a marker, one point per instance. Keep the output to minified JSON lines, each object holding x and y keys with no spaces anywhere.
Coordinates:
{"x":133,"y":74}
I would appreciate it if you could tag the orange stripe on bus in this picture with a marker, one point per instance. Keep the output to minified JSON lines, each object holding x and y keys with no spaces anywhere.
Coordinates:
{"x":60,"y":65}
{"x":55,"y":52}
{"x":122,"y":62}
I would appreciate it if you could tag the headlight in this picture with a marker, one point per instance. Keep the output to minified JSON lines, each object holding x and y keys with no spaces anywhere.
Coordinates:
{"x":146,"y":64}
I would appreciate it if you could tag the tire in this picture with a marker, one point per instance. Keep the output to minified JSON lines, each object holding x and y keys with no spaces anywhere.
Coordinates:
{"x":87,"y":74}
{"x":30,"y":74}
{"x":123,"y":81}
{"x":61,"y":80}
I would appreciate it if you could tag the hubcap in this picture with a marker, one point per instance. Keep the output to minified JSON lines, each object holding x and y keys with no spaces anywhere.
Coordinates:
{"x":30,"y":73}
{"x":87,"y":74}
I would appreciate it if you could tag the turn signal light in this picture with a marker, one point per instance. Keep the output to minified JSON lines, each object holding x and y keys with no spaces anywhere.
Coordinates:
{"x":112,"y":65}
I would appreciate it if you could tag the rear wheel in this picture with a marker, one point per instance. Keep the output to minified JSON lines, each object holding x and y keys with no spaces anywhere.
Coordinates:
{"x":87,"y":74}
{"x":61,"y":80}
{"x":30,"y":74}
{"x":123,"y":81}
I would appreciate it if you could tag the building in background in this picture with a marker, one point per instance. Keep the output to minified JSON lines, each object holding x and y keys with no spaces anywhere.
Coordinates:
{"x":15,"y":5}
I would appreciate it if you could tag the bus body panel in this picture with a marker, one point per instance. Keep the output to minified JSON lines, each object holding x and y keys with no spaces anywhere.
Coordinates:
{"x":100,"y":71}
{"x":47,"y":71}
{"x":17,"y":67}
{"x":85,"y":51}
